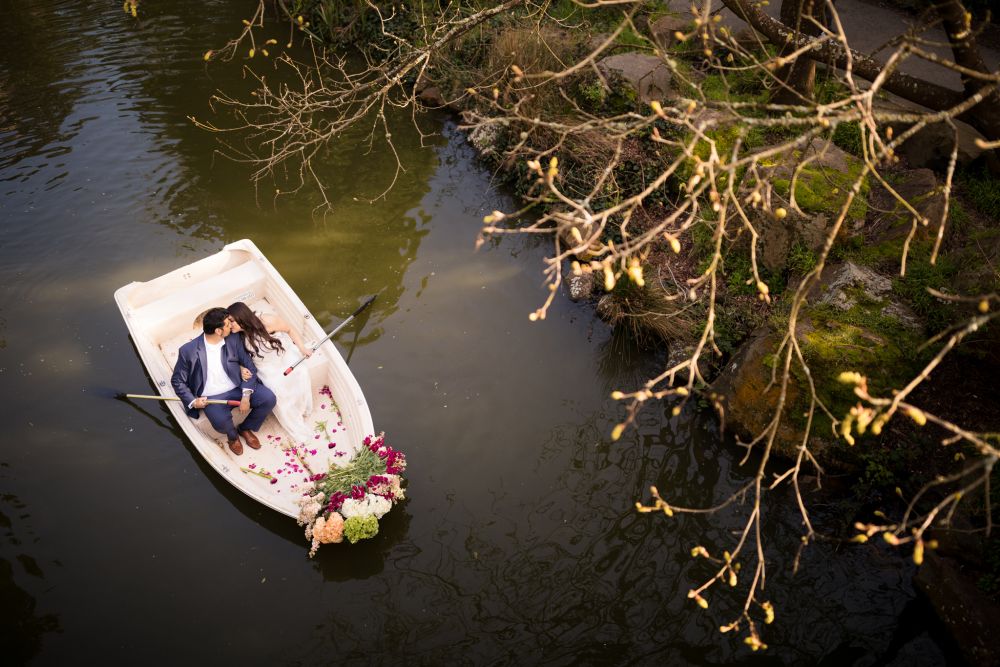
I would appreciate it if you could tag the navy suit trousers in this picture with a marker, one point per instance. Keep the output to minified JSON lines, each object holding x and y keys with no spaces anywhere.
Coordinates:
{"x":262,"y":401}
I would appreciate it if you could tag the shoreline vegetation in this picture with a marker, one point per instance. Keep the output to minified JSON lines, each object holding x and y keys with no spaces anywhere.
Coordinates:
{"x":818,"y":255}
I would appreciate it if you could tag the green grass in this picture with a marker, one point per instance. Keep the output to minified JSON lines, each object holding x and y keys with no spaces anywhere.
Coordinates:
{"x":982,"y":191}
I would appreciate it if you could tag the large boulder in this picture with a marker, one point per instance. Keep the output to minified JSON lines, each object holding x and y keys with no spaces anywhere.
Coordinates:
{"x":821,"y":189}
{"x":851,"y":323}
{"x":918,"y":187}
{"x":646,"y":75}
{"x":931,"y":146}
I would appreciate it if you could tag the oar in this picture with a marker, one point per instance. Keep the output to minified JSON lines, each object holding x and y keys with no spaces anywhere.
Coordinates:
{"x":216,"y":401}
{"x":333,"y":333}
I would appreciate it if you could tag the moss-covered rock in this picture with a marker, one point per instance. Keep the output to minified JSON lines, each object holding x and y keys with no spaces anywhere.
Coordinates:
{"x":852,"y":323}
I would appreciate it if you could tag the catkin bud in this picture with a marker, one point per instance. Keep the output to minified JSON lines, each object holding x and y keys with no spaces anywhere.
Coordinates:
{"x":916,"y":415}
{"x":918,"y":553}
{"x":617,"y":431}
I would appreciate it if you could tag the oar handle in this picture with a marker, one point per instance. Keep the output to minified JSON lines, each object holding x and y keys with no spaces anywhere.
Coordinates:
{"x":215,"y":401}
{"x":334,"y":332}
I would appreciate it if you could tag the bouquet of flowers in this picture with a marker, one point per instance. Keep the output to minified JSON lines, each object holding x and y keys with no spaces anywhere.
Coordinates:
{"x":349,"y":499}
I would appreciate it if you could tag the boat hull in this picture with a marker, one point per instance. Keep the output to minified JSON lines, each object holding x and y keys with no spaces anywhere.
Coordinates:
{"x":160,"y":316}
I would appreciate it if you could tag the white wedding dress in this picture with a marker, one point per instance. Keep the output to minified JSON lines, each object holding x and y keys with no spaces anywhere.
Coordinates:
{"x":293,"y":391}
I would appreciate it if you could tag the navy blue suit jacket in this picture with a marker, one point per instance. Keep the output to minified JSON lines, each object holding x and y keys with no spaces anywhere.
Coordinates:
{"x":191,"y":369}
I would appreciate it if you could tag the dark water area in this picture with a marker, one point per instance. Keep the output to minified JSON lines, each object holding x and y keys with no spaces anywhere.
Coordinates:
{"x":519,"y":543}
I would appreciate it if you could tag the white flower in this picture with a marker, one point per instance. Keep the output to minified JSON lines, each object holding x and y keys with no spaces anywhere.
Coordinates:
{"x":367,"y":506}
{"x":310,"y":507}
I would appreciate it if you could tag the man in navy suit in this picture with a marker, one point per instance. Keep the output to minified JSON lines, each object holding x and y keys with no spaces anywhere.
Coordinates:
{"x":209,"y":367}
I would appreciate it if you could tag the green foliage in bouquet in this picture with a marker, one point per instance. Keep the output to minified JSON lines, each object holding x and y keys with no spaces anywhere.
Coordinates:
{"x":360,"y":528}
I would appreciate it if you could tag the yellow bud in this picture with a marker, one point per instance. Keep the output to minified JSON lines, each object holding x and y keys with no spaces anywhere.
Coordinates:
{"x":533,"y":316}
{"x":890,"y":538}
{"x":984,"y":306}
{"x":780,"y":213}
{"x":609,"y":279}
{"x":692,"y":105}
{"x":496,"y":93}
{"x":732,"y":579}
{"x":617,"y":431}
{"x":132,"y":9}
{"x":899,"y":492}
{"x":768,"y":613}
{"x":299,"y":19}
{"x":680,"y":36}
{"x":916,"y":415}
{"x":245,"y":22}
{"x":850,"y":377}
{"x":617,"y":395}
{"x":264,"y":51}
{"x":681,"y":391}
{"x":860,"y":538}
{"x":575,"y":233}
{"x":702,"y":602}
{"x":271,"y":42}
{"x":471,"y":91}
{"x":252,"y":52}
{"x":516,"y":70}
{"x":635,"y":274}
{"x":676,"y":411}
{"x":762,"y":287}
{"x":577,"y":269}
{"x":918,"y":553}
{"x":208,"y":55}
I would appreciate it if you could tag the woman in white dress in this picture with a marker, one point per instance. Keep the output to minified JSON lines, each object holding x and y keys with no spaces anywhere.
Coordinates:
{"x":267,"y":337}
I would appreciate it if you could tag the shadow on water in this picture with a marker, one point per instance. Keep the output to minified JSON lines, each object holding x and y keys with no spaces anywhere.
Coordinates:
{"x":22,"y":627}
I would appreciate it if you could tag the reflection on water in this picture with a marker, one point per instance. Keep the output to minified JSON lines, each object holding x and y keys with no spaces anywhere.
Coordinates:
{"x":22,"y":626}
{"x":518,"y":541}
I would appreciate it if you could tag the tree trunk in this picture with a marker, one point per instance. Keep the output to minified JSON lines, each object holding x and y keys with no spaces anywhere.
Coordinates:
{"x":799,"y":77}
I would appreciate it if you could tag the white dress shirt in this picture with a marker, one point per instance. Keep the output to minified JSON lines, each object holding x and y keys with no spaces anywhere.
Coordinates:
{"x":218,"y":381}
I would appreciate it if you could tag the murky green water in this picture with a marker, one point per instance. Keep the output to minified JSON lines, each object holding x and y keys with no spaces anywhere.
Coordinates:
{"x":519,"y":544}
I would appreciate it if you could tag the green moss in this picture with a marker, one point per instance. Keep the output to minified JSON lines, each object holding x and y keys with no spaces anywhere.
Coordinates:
{"x":921,"y":275}
{"x":820,"y":190}
{"x":737,"y":86}
{"x":861,"y":339}
{"x":847,"y":137}
{"x":801,"y":259}
{"x":982,"y":191}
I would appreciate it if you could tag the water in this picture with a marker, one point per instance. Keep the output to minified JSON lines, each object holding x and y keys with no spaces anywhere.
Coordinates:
{"x":519,"y":543}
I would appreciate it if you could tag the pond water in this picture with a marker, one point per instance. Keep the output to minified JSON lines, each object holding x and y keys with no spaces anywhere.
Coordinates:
{"x":519,"y":542}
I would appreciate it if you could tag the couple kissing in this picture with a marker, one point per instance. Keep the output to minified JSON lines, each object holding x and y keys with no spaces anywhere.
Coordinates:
{"x":240,"y":356}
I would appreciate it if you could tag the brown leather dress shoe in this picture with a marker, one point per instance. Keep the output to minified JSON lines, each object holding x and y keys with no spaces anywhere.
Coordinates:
{"x":236,"y":446}
{"x":251,"y":439}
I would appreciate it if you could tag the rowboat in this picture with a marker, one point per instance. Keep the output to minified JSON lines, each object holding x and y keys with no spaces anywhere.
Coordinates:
{"x":160,"y":315}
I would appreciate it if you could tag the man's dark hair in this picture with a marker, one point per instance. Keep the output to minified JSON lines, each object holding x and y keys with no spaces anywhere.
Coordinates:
{"x":214,"y":319}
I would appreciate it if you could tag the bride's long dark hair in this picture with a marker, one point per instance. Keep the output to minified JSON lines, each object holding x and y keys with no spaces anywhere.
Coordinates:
{"x":254,"y":332}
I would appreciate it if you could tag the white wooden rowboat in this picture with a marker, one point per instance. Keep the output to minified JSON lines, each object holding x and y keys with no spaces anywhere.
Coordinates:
{"x":160,"y":316}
